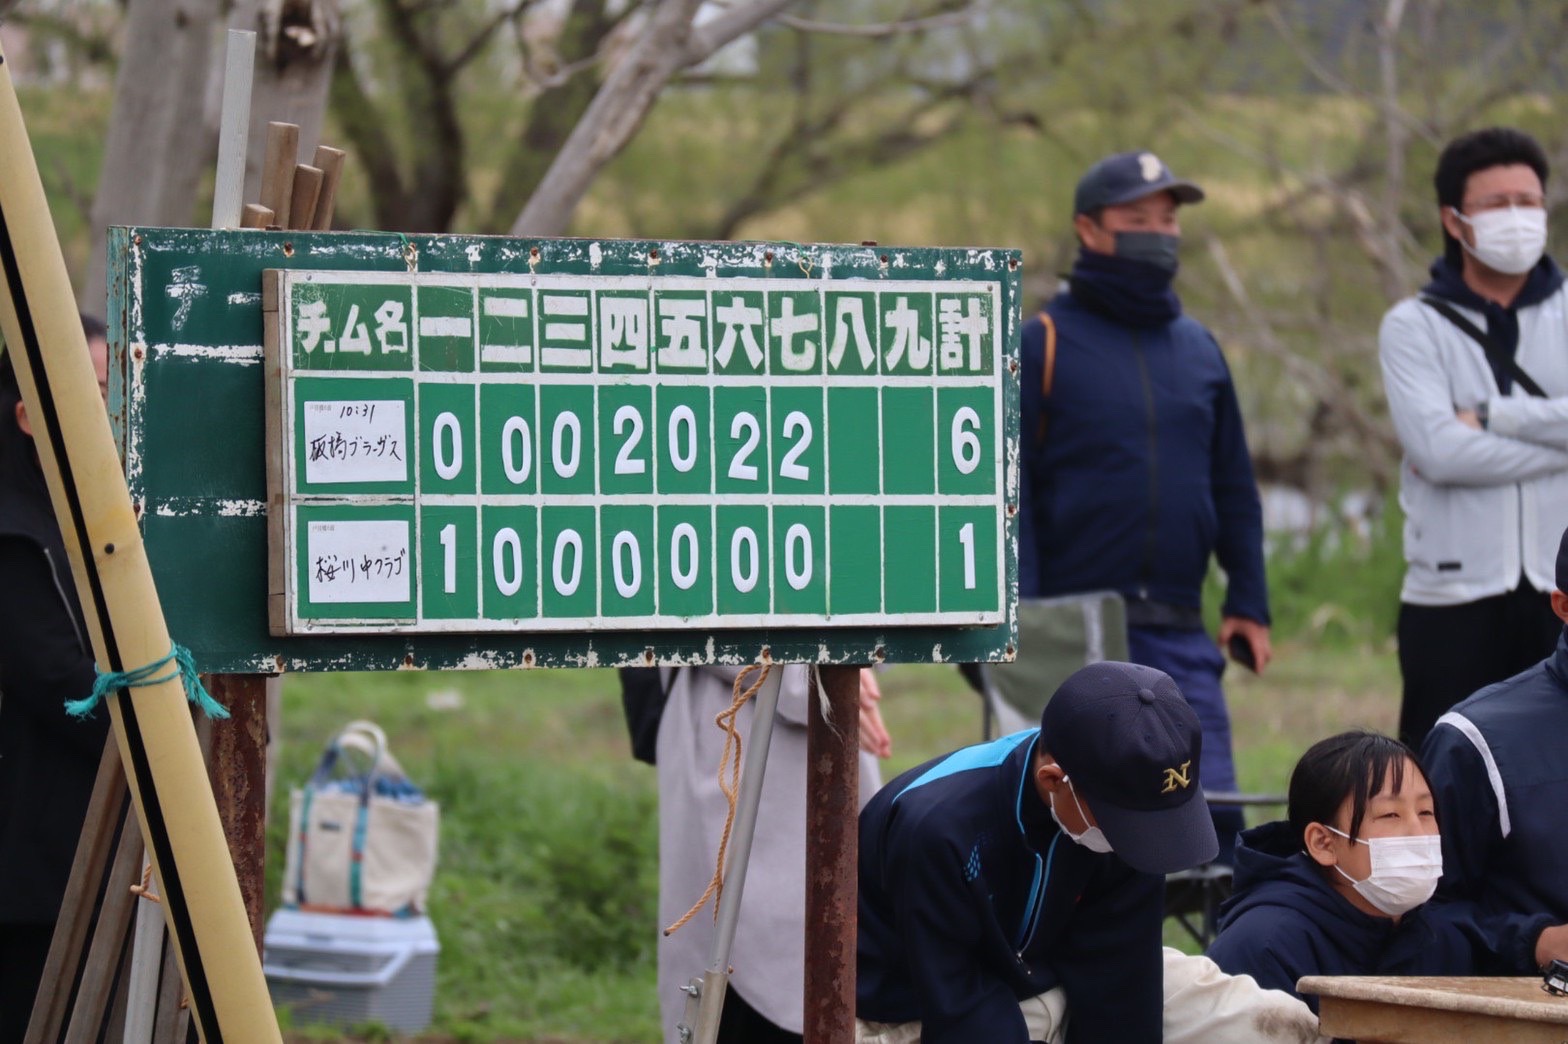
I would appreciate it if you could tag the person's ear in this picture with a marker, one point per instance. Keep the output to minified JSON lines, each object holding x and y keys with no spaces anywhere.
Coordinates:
{"x":1088,"y":232}
{"x":21,"y":418}
{"x":1319,"y":843}
{"x":1560,"y":605}
{"x":1048,"y":776}
{"x":1452,"y":224}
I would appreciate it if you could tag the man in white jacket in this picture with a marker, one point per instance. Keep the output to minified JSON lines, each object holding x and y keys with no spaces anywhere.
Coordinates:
{"x":1476,"y":372}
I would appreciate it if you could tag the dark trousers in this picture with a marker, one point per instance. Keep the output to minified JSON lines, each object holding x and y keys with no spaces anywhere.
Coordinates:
{"x":740,"y":1023}
{"x":23,"y":950}
{"x":1447,"y":652}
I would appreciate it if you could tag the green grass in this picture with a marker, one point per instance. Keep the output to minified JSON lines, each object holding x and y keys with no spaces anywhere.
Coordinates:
{"x":546,"y":895}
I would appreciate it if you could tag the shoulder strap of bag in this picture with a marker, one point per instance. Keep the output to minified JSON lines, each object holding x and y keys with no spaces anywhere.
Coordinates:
{"x":1493,"y":351}
{"x":1049,"y":373}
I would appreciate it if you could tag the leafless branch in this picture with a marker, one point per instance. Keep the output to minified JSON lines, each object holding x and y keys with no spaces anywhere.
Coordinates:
{"x":1313,"y":376}
{"x":559,"y":76}
{"x":1396,"y":140}
{"x":1337,"y":84}
{"x":667,"y":44}
{"x":881,"y":30}
{"x":471,"y":50}
{"x":734,"y":23}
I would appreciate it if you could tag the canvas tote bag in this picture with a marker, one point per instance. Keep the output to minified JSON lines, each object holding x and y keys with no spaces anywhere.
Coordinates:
{"x":361,"y":839}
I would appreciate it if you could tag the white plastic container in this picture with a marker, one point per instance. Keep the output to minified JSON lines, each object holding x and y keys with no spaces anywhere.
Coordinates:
{"x":343,"y":969}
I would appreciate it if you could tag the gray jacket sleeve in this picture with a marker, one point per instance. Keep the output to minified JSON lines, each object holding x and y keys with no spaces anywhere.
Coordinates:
{"x":1437,"y":445}
{"x":1541,"y":421}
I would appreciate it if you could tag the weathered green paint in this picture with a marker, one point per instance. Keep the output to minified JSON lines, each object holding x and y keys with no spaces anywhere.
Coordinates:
{"x":186,"y":323}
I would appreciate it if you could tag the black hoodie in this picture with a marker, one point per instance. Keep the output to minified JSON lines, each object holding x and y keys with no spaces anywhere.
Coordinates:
{"x":48,"y":761}
{"x":1285,"y":920}
{"x":1502,"y":323}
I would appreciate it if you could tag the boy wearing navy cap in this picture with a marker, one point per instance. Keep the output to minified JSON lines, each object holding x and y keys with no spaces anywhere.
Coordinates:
{"x":1008,"y":886}
{"x":1134,"y":465}
{"x":1496,"y":766}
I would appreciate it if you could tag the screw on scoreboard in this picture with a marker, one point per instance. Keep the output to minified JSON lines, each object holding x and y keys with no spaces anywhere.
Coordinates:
{"x":566,"y":452}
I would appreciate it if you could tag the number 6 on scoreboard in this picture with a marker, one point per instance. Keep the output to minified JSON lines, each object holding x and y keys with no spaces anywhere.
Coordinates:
{"x":966,"y":445}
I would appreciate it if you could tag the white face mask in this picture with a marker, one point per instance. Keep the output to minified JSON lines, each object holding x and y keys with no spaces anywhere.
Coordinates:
{"x":1093,"y":838}
{"x":1508,"y":240}
{"x":1404,"y":873}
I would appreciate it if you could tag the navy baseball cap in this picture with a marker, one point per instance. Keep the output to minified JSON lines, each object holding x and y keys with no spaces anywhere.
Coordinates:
{"x":1127,"y":176}
{"x":1130,"y":745}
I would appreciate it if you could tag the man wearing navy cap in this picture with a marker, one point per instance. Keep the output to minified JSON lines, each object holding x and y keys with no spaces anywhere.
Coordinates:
{"x":1497,"y":770}
{"x":1012,"y":886}
{"x":1135,"y":466}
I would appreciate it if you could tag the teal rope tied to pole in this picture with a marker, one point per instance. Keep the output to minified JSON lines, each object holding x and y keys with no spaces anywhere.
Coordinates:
{"x":184,"y":668}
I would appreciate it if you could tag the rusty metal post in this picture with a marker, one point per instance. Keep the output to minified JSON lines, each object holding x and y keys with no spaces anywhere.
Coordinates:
{"x":237,"y":767}
{"x":832,"y":847}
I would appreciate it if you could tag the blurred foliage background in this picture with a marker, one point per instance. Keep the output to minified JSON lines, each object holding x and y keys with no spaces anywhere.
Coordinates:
{"x":1313,"y":124}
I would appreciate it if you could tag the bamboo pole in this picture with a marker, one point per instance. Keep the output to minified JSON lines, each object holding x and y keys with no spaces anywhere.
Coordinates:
{"x":152,"y":724}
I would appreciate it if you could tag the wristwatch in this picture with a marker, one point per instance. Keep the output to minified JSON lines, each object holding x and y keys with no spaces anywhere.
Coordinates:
{"x":1483,"y":413}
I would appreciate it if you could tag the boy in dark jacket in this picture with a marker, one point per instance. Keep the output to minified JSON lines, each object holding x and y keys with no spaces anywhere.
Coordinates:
{"x":1496,"y":762}
{"x":1001,"y":871}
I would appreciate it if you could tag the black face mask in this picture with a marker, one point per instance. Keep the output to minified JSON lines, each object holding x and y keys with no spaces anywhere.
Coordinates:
{"x":1152,"y":248}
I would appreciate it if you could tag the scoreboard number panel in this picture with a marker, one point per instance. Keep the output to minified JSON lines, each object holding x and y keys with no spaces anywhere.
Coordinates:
{"x":505,"y":452}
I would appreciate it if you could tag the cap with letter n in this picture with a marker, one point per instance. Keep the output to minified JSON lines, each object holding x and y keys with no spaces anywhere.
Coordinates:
{"x":1130,"y":745}
{"x":1127,"y":176}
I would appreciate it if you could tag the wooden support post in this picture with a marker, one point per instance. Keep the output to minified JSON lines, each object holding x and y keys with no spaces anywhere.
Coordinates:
{"x":307,"y":187}
{"x":238,"y":770}
{"x":330,"y":161}
{"x":110,"y":941}
{"x":174,"y":1018}
{"x":832,"y":844}
{"x":108,"y":812}
{"x":277,"y":172}
{"x":254,"y":215}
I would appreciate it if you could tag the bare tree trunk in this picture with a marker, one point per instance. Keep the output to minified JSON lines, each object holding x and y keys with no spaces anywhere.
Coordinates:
{"x":296,"y":44}
{"x":552,"y":115}
{"x":666,"y":45}
{"x":157,"y":143}
{"x":1395,"y":278}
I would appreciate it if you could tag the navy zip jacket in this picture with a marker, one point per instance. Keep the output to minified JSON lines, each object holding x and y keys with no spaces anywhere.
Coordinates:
{"x":1135,"y":469}
{"x":1284,"y":920}
{"x":972,"y":899}
{"x":1497,"y":771}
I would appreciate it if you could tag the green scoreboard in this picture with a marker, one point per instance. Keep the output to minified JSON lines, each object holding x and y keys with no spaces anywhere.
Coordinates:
{"x":611,"y":452}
